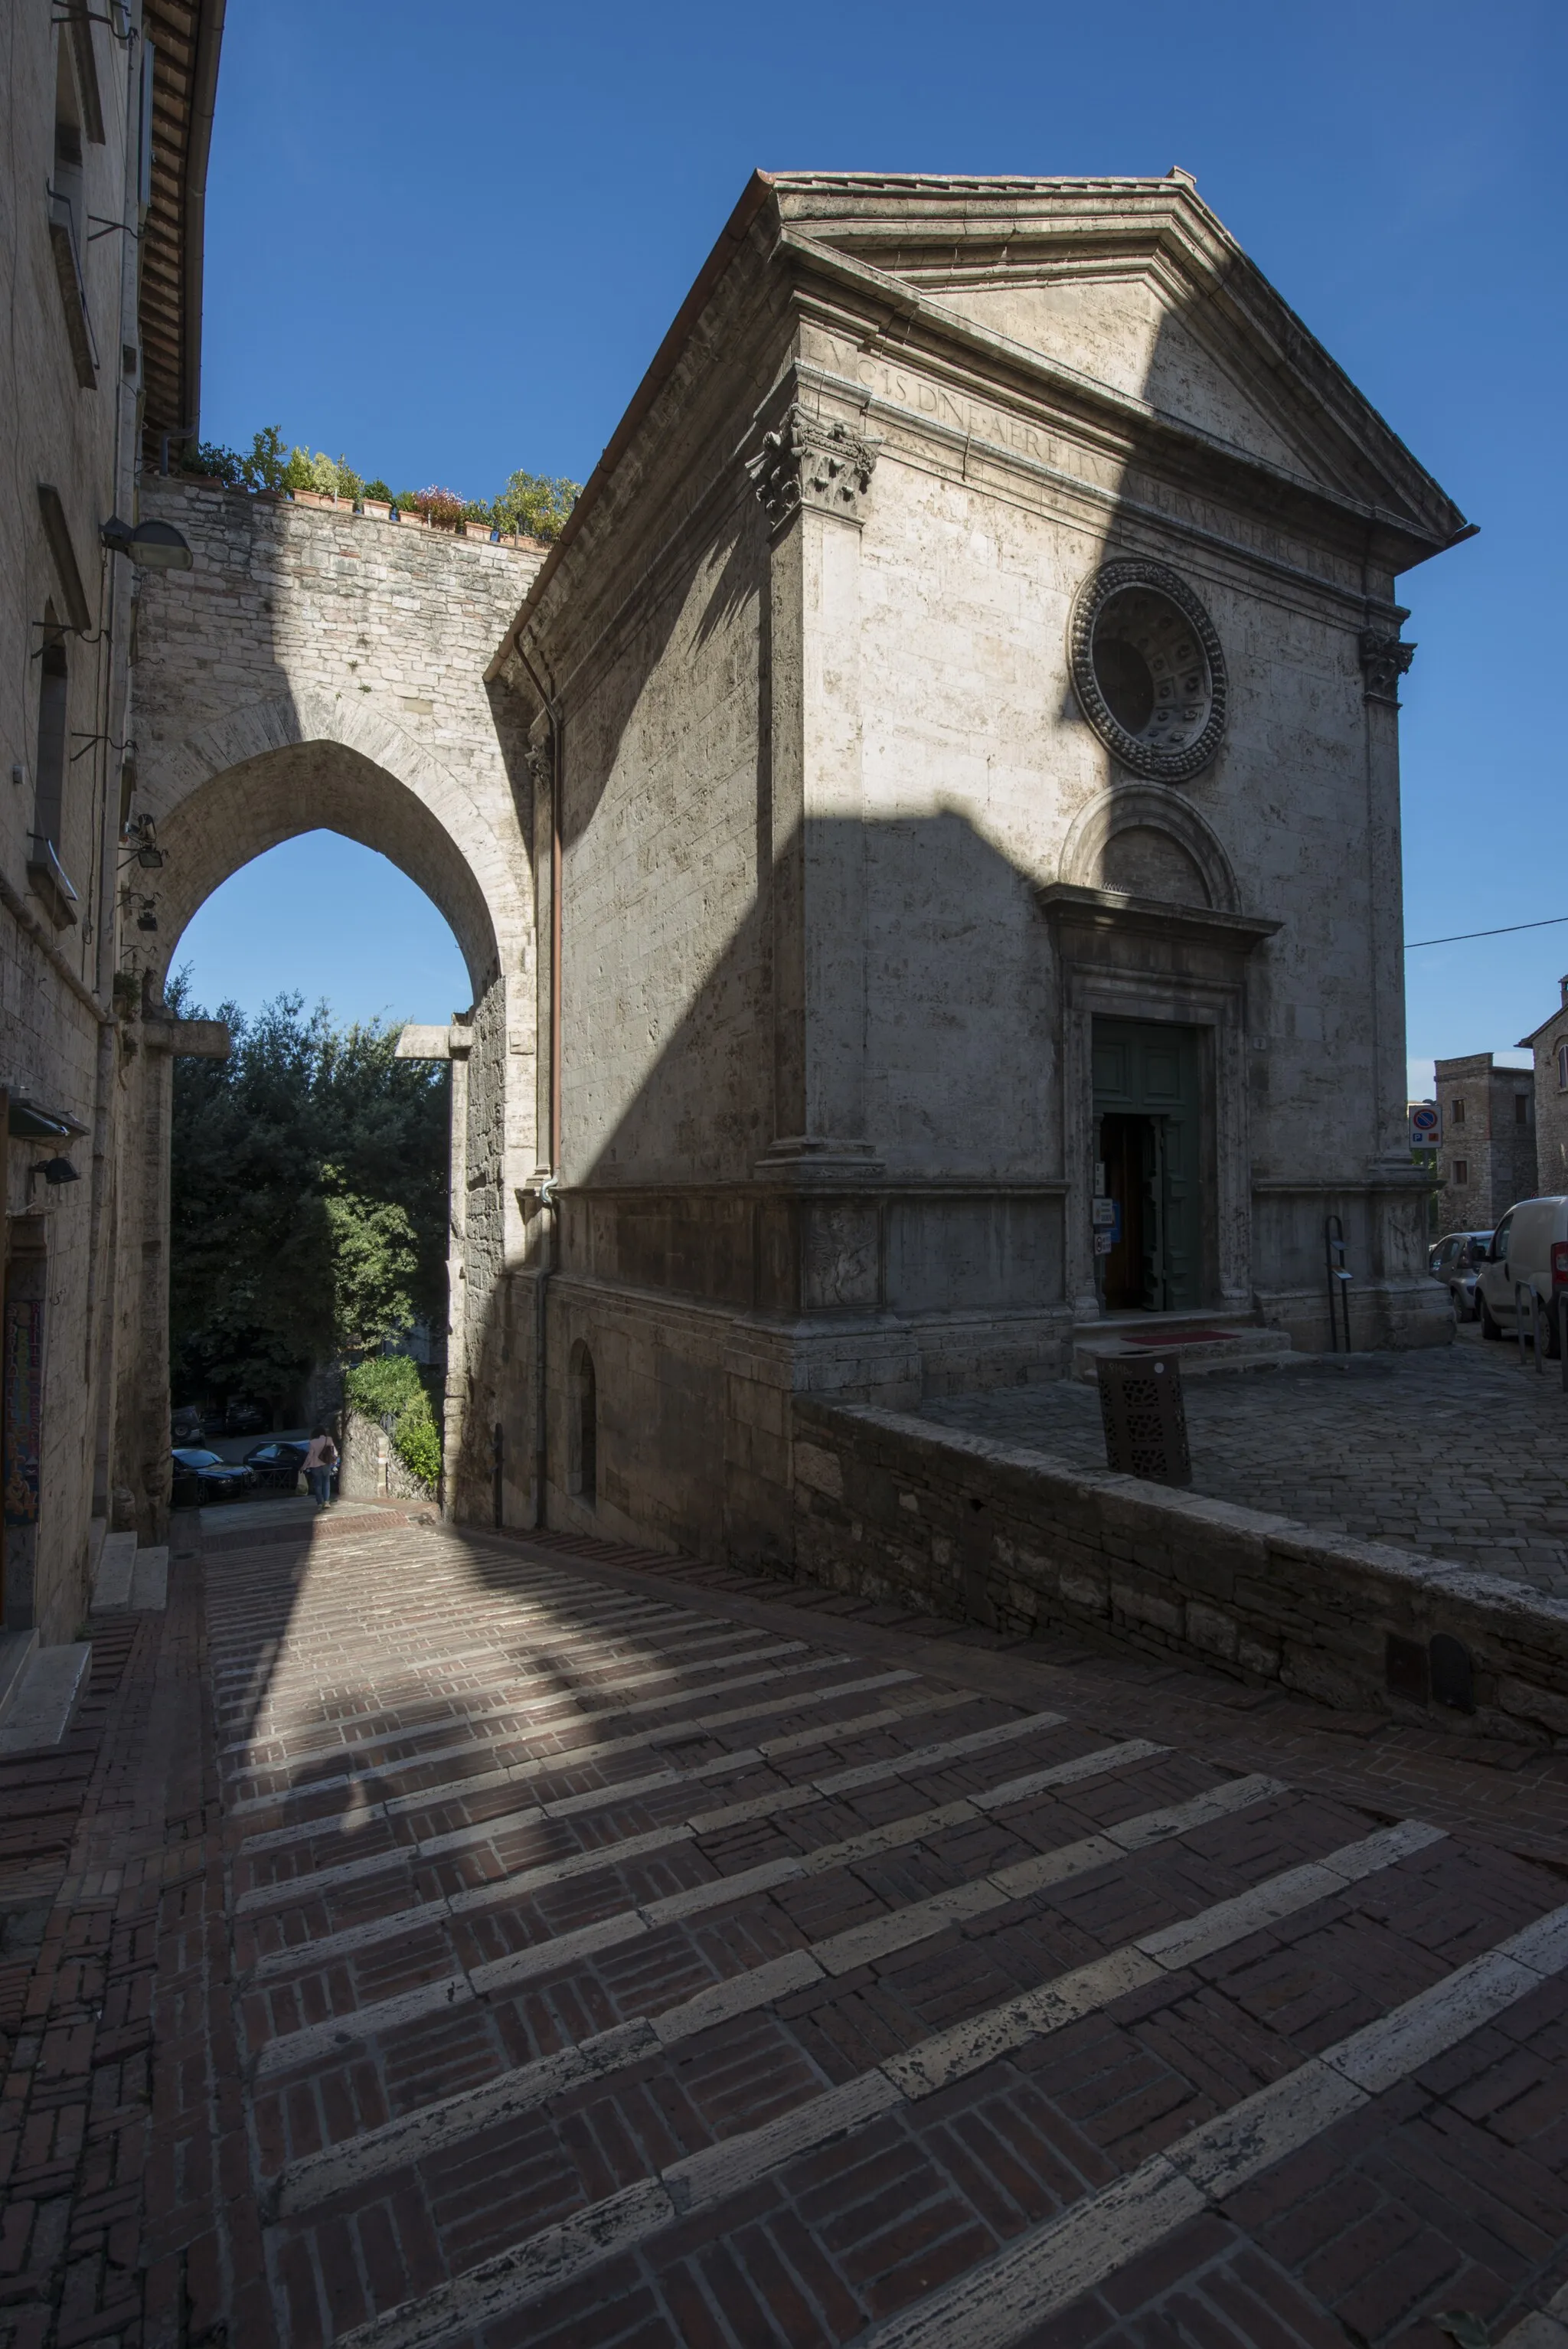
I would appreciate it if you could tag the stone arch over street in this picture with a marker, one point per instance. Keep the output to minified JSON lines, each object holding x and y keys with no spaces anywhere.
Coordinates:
{"x":377,"y":790}
{"x":318,"y":669}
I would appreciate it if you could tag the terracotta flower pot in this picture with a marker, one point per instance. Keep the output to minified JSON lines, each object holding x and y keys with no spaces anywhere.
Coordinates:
{"x":380,"y":512}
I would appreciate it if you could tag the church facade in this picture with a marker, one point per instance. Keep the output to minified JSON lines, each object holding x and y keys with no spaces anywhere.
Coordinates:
{"x":964,"y":716}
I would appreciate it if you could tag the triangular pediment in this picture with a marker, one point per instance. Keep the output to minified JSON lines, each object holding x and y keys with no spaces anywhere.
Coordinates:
{"x":1133,"y":285}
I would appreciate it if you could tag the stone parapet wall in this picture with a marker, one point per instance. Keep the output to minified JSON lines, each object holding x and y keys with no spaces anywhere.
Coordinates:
{"x":371,"y":1469}
{"x":892,"y":1507}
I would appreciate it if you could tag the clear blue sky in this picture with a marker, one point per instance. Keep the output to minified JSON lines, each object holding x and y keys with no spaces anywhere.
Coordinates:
{"x":447,"y":241}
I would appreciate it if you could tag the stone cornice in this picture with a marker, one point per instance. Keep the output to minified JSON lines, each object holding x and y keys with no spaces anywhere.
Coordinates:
{"x":1113,"y":909}
{"x":1127,"y":507}
{"x":912,"y":326}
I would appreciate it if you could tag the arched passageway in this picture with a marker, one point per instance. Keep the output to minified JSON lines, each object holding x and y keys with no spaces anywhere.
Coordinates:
{"x":348,"y":696}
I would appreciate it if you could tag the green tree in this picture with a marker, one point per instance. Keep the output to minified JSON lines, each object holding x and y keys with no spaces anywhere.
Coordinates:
{"x":535,"y":504}
{"x":374,"y":1262}
{"x":265,"y":466}
{"x":309,"y":1199}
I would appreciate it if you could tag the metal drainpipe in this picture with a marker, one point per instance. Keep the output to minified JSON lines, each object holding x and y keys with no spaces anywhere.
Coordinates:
{"x":547,"y":1189}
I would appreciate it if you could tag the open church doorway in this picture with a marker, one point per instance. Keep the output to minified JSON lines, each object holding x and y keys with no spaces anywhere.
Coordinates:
{"x":1147,"y":1155}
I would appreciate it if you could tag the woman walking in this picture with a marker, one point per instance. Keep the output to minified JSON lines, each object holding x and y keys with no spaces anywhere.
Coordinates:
{"x":320,"y":1460}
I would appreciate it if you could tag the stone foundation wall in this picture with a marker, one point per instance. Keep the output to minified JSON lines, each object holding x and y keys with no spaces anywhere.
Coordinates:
{"x":894,"y":1508}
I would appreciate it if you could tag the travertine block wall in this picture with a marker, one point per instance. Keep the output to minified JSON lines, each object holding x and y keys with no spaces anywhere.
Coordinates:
{"x":894,"y":1509}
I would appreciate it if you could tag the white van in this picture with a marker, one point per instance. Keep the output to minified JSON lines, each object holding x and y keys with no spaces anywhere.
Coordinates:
{"x":1530,"y":1245}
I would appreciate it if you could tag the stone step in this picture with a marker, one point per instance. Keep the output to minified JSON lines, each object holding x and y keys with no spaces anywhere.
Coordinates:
{"x":17,"y":1649}
{"x":130,"y":1579}
{"x":150,"y":1577}
{"x":1198,"y":1344}
{"x":111,"y":1584}
{"x":40,"y":1711}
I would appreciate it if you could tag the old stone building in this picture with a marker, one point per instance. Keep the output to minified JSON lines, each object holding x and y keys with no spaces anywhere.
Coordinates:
{"x":1488,"y":1156}
{"x":966,"y":831}
{"x":1549,"y":1045}
{"x":102,"y":187}
{"x":924,"y":843}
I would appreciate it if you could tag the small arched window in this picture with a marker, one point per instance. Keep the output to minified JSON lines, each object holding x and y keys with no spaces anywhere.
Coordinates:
{"x":582,"y":1478}
{"x":1563,"y":1066}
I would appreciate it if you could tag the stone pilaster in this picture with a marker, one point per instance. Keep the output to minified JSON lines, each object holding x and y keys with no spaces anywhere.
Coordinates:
{"x":1385,"y":659}
{"x":811,"y":475}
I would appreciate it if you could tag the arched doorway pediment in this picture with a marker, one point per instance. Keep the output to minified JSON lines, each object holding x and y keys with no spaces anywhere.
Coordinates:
{"x":1147,"y":840}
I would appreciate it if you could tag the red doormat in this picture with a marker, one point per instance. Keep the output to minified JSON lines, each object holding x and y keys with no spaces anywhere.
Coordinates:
{"x":1178,"y":1337}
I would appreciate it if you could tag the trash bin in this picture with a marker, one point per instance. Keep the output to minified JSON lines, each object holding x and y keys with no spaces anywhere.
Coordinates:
{"x":1145,"y":1418}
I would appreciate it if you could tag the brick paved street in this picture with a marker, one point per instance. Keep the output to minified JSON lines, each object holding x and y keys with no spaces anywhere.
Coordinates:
{"x":547,"y":1945}
{"x":1456,"y":1450}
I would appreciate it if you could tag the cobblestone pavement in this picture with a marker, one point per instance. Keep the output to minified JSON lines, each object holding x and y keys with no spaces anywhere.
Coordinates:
{"x":1454,"y":1450}
{"x":508,"y":1942}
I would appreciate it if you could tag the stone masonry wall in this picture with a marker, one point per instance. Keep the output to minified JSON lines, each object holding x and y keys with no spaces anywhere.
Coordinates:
{"x":72,"y":430}
{"x":371,"y":1469}
{"x":892,"y":1508}
{"x":1488,"y":1157}
{"x":1549,"y":1045}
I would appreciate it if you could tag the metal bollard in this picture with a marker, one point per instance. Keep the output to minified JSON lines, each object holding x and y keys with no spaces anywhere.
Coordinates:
{"x":1145,"y":1419}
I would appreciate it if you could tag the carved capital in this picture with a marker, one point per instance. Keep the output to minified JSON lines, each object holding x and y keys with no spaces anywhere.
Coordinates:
{"x":816,"y":461}
{"x":1384,"y":660}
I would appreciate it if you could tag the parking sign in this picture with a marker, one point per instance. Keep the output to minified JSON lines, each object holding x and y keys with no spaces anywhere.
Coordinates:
{"x":1426,"y":1125}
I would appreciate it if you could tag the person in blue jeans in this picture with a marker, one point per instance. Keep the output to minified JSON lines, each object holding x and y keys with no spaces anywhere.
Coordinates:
{"x":320,"y":1460}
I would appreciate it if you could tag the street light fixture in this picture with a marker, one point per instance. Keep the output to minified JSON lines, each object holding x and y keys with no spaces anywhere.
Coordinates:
{"x":153,"y":545}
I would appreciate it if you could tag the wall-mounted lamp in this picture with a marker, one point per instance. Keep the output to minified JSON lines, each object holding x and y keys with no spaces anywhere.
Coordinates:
{"x":154,"y":546}
{"x":55,"y":1170}
{"x":141,"y":839}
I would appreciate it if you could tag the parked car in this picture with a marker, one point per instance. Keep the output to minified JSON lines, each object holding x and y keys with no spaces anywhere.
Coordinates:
{"x":277,"y":1463}
{"x":242,"y":1418}
{"x":1529,"y":1249}
{"x":201,"y":1476}
{"x":1455,"y":1262}
{"x":187,"y":1426}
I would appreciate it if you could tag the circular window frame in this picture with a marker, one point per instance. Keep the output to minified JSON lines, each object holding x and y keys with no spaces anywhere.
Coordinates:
{"x":1138,"y":756}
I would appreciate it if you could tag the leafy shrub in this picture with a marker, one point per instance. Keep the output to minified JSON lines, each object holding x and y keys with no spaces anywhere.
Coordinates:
{"x":443,"y":507}
{"x":323,"y":475}
{"x":213,"y":462}
{"x":390,"y":1387}
{"x":378,"y":491}
{"x":297,"y":473}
